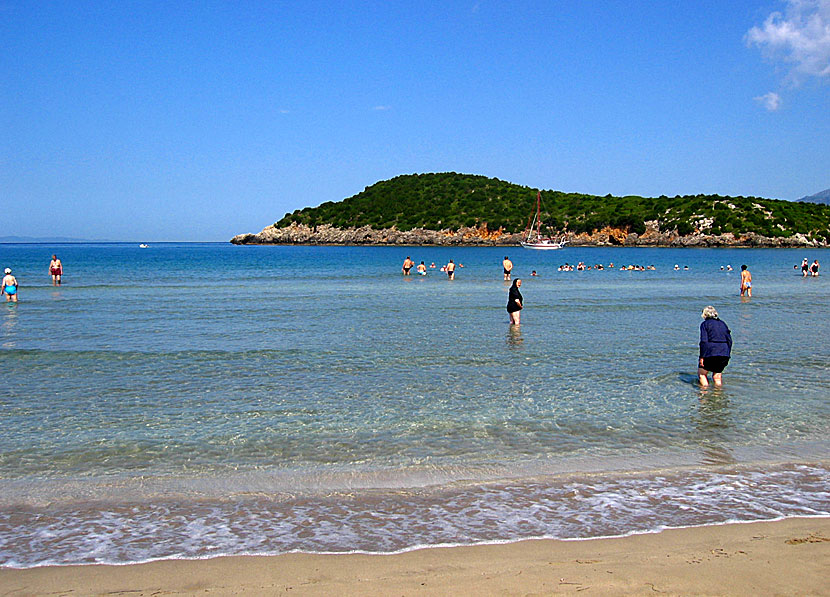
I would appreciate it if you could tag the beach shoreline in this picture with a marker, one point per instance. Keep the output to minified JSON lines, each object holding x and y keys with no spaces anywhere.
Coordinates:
{"x":784,"y":557}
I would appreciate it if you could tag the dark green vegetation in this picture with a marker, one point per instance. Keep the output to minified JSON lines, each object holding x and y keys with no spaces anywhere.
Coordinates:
{"x":450,"y":201}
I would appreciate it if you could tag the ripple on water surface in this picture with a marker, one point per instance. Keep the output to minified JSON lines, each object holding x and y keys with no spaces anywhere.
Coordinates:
{"x":209,"y":361}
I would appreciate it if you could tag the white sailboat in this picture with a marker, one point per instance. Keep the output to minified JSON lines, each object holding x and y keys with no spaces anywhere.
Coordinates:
{"x":533,"y":235}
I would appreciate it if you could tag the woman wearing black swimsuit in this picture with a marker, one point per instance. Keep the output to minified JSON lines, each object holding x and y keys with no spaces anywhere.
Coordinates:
{"x":515,"y":302}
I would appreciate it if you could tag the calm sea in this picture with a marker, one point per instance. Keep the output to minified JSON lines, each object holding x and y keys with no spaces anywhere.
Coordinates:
{"x":191,"y":400}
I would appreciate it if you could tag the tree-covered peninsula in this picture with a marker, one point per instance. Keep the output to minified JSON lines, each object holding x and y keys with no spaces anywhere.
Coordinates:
{"x":451,"y":208}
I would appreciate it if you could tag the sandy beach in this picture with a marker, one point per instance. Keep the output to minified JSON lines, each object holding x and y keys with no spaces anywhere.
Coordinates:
{"x":789,"y":557}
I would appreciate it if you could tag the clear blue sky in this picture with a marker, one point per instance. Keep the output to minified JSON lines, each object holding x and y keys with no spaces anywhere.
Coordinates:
{"x":200,"y":120}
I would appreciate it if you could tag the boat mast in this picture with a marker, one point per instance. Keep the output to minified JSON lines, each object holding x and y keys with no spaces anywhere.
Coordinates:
{"x":539,"y":214}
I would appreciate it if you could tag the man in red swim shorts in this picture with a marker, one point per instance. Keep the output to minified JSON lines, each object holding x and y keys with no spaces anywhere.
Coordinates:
{"x":56,"y":269}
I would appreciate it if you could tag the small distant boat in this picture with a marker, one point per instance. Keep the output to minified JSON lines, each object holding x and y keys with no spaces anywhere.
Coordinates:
{"x":143,"y":246}
{"x":533,"y":235}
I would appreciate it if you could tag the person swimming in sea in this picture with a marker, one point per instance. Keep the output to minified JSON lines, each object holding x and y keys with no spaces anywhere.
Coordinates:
{"x":10,"y":286}
{"x":422,"y":269}
{"x":814,"y":268}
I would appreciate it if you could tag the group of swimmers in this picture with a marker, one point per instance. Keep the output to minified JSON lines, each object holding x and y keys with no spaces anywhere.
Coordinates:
{"x":421,"y":268}
{"x":808,"y":269}
{"x":10,"y":285}
{"x":581,"y":267}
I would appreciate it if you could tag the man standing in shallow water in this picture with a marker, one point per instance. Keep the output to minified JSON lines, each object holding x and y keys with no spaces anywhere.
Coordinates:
{"x":407,"y":265}
{"x":508,"y":267}
{"x":56,"y":270}
{"x":746,"y":282}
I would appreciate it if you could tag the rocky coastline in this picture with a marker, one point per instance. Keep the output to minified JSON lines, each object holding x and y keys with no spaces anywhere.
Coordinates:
{"x":300,"y":234}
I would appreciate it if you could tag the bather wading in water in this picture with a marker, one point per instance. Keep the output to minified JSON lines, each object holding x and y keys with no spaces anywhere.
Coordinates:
{"x":715,"y":347}
{"x":515,"y":302}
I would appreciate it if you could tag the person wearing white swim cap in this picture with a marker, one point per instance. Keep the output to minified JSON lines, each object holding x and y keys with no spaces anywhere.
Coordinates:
{"x":9,"y":286}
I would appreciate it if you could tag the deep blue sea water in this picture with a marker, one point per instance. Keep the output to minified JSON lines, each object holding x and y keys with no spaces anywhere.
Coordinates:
{"x":188,"y":400}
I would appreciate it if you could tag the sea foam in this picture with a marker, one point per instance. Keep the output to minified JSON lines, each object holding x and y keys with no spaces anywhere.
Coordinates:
{"x":388,"y":521}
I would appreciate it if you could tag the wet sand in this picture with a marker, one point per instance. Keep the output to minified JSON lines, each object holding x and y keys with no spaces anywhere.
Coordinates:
{"x":790,"y":557}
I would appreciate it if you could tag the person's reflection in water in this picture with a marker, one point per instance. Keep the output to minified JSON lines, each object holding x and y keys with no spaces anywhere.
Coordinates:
{"x":7,"y":329}
{"x":514,"y":336}
{"x":713,"y":408}
{"x":713,"y":425}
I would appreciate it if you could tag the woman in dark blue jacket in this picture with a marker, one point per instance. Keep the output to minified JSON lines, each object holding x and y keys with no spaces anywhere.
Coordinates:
{"x":715,"y":347}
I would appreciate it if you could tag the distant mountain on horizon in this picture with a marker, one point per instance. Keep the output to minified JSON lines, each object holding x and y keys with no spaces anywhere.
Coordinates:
{"x":822,"y":197}
{"x":48,"y":239}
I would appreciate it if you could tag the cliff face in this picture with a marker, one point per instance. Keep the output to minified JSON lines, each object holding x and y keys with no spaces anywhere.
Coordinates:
{"x":300,"y":234}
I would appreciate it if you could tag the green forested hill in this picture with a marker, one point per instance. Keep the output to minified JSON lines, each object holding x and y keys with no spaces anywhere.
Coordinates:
{"x":450,"y":201}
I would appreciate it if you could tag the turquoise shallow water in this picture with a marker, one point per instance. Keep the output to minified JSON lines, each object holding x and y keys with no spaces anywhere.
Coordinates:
{"x":173,"y":401}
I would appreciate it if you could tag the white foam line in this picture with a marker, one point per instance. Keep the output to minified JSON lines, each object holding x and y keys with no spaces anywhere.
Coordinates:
{"x":264,"y":554}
